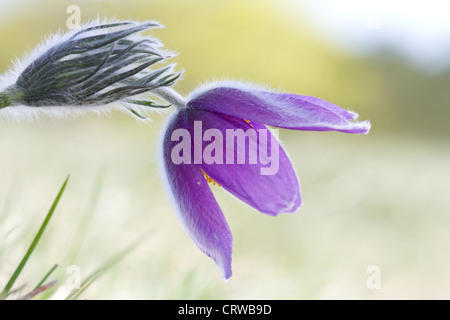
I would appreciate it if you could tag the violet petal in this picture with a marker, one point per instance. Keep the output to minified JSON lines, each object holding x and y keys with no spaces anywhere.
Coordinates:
{"x":198,"y":210}
{"x":271,"y":193}
{"x":282,"y":110}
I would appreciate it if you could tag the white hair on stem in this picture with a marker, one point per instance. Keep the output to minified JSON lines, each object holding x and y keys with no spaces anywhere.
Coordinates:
{"x":98,"y":68}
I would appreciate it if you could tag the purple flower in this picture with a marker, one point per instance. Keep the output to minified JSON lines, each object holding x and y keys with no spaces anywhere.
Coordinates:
{"x":211,"y":113}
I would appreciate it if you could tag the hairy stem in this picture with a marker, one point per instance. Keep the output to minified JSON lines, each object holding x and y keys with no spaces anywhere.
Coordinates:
{"x":10,"y":96}
{"x":5,"y":100}
{"x":170,"y":96}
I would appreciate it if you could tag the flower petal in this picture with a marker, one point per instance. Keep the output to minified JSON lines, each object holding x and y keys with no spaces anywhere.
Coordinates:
{"x":282,"y":110}
{"x":270,"y":192}
{"x":195,"y":203}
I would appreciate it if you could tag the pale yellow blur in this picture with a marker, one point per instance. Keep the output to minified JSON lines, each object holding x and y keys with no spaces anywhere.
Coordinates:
{"x":380,"y":199}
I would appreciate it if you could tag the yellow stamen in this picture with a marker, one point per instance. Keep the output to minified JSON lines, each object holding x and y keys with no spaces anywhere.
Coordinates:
{"x":248,"y":122}
{"x":209,"y":179}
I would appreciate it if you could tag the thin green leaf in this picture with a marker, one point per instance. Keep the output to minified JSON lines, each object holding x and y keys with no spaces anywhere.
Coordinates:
{"x":33,"y":245}
{"x":168,"y":80}
{"x":89,"y":213}
{"x":148,"y":104}
{"x":100,"y":271}
{"x":136,"y":114}
{"x":46,"y":277}
{"x":83,"y":288}
{"x":152,"y":76}
{"x":18,"y":289}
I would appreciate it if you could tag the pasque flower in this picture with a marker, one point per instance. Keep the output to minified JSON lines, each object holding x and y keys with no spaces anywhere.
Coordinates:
{"x":87,"y":69}
{"x":216,"y":109}
{"x":90,"y":68}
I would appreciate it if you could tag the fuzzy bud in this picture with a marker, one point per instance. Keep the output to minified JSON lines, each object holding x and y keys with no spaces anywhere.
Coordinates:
{"x":91,"y":67}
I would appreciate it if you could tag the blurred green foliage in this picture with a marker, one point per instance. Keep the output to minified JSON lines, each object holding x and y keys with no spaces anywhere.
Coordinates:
{"x":263,"y":41}
{"x":380,"y":199}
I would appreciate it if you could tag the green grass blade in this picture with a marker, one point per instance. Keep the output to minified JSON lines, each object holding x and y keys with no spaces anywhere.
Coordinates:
{"x":74,"y":295}
{"x":33,"y":245}
{"x":137,"y":114}
{"x":45,"y":277}
{"x":148,"y":104}
{"x":97,"y":273}
{"x":85,"y":222}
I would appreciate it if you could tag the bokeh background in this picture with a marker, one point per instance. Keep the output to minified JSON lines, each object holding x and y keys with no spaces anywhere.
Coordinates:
{"x":376,"y":200}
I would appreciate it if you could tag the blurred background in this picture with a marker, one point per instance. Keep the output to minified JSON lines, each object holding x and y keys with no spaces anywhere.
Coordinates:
{"x":377,"y":200}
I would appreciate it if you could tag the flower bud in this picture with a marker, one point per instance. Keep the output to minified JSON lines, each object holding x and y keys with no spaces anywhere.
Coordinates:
{"x":89,"y":68}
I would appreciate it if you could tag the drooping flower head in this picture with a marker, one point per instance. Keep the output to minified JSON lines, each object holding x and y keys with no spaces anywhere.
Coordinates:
{"x":214,"y":135}
{"x":87,"y":69}
{"x":217,"y":135}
